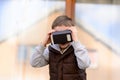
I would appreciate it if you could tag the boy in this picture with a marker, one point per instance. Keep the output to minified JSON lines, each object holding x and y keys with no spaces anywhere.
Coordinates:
{"x":66,"y":61}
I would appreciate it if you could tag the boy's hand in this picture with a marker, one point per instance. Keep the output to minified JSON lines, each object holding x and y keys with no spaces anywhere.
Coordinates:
{"x":47,"y":39}
{"x":74,"y":33}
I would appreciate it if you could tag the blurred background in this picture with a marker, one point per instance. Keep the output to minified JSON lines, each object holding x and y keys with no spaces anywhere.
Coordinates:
{"x":23,"y":24}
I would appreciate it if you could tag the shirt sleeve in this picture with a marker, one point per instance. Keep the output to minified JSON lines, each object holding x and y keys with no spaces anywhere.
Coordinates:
{"x":39,"y":57}
{"x":81,"y":54}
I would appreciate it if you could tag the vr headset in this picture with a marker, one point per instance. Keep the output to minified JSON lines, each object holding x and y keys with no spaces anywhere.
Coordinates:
{"x":61,"y":37}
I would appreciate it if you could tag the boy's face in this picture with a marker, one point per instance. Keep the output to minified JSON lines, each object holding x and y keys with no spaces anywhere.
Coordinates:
{"x":62,"y":28}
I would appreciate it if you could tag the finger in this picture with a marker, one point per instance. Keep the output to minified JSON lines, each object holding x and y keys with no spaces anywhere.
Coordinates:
{"x":51,"y":31}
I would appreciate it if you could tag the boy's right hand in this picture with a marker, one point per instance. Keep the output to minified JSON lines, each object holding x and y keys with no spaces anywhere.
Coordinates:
{"x":47,"y":39}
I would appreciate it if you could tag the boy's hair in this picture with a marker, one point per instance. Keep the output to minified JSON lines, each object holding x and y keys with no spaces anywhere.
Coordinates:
{"x":62,"y":20}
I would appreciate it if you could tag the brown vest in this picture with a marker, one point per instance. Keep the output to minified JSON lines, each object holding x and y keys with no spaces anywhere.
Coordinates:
{"x":64,"y":66}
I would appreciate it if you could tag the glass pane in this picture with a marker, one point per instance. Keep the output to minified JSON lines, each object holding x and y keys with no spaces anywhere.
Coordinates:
{"x":99,"y":30}
{"x":23,"y":25}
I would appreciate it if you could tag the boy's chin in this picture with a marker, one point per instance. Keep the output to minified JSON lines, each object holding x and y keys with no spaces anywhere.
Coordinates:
{"x":63,"y":46}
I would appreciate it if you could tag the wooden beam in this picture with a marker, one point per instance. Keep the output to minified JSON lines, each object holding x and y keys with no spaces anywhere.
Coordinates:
{"x":70,"y":8}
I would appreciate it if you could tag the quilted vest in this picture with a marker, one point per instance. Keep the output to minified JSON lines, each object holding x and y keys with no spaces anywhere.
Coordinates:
{"x":64,"y":66}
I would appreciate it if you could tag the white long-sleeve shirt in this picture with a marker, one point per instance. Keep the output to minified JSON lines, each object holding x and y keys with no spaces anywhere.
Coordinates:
{"x":40,"y":55}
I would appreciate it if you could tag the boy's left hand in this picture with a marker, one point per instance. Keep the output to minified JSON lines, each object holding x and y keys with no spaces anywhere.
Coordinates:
{"x":74,"y":33}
